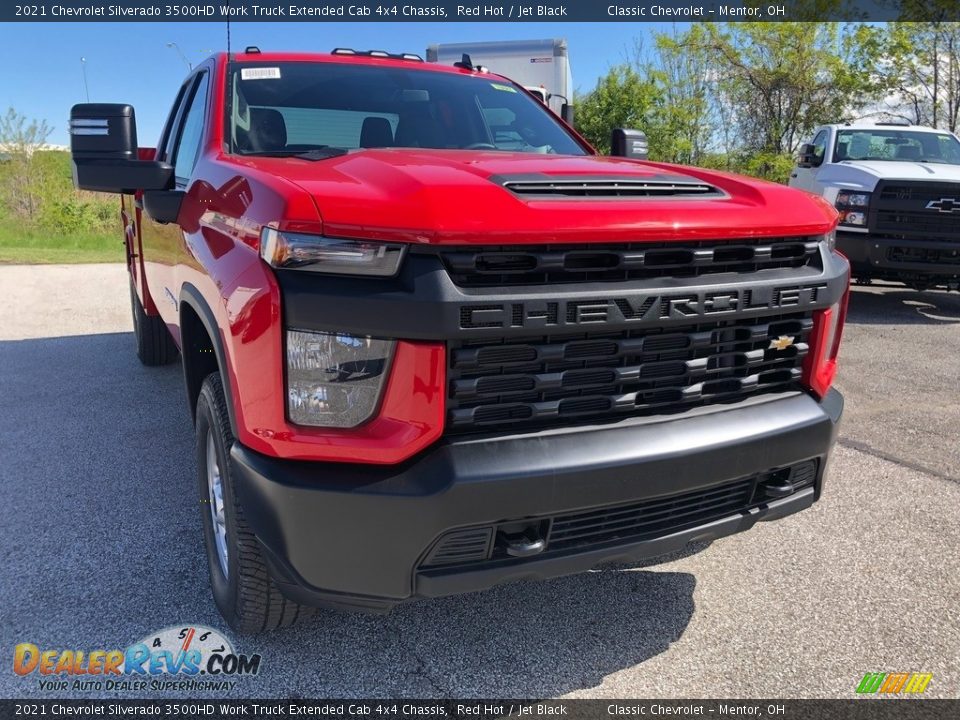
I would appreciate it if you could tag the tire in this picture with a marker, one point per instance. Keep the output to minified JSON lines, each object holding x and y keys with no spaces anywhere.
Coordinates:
{"x":244,"y":591}
{"x":154,"y":344}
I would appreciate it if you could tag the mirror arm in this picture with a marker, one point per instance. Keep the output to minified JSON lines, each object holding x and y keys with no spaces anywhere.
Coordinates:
{"x":163,"y":206}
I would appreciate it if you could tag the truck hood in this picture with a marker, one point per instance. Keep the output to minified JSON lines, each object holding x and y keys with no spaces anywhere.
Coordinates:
{"x":450,"y":196}
{"x":864,"y":174}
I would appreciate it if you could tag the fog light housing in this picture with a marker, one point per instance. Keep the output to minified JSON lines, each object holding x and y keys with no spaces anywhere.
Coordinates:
{"x":855,"y":218}
{"x":335,"y":379}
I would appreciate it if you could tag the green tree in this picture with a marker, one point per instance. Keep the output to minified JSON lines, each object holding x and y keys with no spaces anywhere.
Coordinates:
{"x":682,"y":120}
{"x":780,"y":80}
{"x":36,"y":184}
{"x":21,"y":179}
{"x":622,"y":98}
{"x":920,"y":68}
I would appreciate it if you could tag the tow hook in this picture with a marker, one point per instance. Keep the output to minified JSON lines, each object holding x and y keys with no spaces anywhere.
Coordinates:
{"x":524,"y":539}
{"x":524,"y":547}
{"x":776,"y":490}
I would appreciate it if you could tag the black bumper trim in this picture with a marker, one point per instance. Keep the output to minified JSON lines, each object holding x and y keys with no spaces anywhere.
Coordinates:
{"x":440,"y":583}
{"x":349,"y":534}
{"x":869,"y":255}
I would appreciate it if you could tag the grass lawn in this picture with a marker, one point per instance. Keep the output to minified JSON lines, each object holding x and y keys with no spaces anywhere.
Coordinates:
{"x":34,"y":247}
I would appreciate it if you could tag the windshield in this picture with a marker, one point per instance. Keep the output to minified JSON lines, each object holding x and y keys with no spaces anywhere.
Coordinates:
{"x":897,"y":145}
{"x":316,"y":109}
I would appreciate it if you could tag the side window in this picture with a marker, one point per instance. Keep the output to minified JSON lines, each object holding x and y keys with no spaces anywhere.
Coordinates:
{"x":165,"y":145}
{"x":820,"y":146}
{"x":191,"y":130}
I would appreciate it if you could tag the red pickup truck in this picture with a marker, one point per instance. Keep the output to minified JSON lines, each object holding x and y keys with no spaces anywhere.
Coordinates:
{"x":432,"y":342}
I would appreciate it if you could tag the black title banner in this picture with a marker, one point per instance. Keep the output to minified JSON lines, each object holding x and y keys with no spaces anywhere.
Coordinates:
{"x":861,"y":709}
{"x":480,"y":11}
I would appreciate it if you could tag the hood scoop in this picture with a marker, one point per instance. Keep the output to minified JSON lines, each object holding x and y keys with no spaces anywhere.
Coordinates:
{"x":606,"y":187}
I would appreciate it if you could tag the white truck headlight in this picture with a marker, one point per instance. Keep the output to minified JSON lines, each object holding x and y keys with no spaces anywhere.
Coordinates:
{"x":853,"y":199}
{"x":852,"y":207}
{"x":339,"y":256}
{"x":334,"y":379}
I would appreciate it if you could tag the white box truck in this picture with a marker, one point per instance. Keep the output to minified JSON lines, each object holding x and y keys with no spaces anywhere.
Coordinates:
{"x":541,"y":66}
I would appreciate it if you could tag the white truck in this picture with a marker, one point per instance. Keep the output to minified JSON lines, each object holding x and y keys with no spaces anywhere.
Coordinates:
{"x":897,"y":189}
{"x":540,"y":66}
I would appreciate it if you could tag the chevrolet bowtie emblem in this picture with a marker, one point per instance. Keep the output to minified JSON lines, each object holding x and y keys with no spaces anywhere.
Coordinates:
{"x":781,"y":343}
{"x":944,"y":205}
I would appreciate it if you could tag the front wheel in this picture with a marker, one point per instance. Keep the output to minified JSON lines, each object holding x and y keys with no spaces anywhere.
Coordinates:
{"x":243,"y":589}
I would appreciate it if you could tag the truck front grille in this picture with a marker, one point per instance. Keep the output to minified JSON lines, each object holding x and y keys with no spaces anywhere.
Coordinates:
{"x":900,"y":210}
{"x":555,"y":380}
{"x":548,"y":264}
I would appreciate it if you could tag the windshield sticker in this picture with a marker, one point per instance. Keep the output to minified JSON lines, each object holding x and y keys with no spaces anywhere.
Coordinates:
{"x":260,"y":73}
{"x":504,"y":88}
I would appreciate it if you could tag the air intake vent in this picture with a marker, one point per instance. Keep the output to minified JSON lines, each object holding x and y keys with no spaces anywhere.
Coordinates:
{"x":555,"y":264}
{"x":608,"y":188}
{"x":650,"y":518}
{"x":461,"y":546}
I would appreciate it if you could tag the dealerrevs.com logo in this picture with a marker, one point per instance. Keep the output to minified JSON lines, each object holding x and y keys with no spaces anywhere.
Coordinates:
{"x":175,"y":658}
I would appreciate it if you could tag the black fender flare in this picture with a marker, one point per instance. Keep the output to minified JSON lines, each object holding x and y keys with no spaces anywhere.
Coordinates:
{"x":190,"y":295}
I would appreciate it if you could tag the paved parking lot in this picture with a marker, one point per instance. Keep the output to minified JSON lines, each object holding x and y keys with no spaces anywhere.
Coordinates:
{"x":100,"y":539}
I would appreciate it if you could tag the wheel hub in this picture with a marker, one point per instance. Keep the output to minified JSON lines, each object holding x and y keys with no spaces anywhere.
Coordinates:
{"x":215,"y":497}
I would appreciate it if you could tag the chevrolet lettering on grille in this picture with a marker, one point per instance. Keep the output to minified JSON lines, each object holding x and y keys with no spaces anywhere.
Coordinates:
{"x":637,"y":310}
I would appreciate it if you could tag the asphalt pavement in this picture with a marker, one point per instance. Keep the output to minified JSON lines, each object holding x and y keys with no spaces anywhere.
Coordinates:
{"x":100,"y":538}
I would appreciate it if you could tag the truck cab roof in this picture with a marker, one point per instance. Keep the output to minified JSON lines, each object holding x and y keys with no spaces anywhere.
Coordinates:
{"x":876,"y":125}
{"x":345,"y":56}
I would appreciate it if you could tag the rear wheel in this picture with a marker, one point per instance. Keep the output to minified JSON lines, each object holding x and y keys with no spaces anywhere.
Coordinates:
{"x":154,"y":344}
{"x":244,"y":591}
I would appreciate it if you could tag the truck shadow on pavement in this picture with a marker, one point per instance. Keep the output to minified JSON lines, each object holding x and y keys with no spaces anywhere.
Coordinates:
{"x":896,"y":305}
{"x":101,"y":546}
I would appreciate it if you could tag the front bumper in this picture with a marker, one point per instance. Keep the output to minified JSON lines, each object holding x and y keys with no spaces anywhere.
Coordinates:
{"x":358,"y":535}
{"x":894,"y":258}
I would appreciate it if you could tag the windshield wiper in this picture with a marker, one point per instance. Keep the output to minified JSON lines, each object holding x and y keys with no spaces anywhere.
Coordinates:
{"x":322,"y":153}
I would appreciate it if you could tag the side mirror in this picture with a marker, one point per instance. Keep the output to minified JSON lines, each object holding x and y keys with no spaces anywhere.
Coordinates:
{"x":566,"y":113}
{"x":103,"y":148}
{"x":809,"y":157}
{"x":629,"y":144}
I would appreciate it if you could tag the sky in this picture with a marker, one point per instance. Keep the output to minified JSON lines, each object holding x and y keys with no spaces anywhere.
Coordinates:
{"x":41,"y":73}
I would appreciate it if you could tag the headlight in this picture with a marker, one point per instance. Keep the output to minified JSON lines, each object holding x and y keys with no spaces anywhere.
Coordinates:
{"x":317,"y":253}
{"x":852,"y":199}
{"x":831,"y":239}
{"x":852,"y":207}
{"x":333,"y":379}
